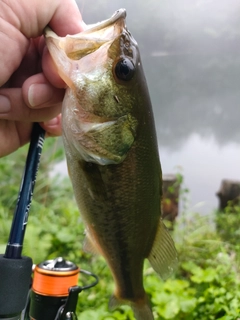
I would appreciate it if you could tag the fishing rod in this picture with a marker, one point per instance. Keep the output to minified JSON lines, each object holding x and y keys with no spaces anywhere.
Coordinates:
{"x":53,"y":293}
{"x":15,"y":269}
{"x":15,"y":243}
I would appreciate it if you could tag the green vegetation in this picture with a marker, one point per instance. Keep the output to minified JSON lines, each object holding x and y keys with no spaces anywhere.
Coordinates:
{"x":206,"y":282}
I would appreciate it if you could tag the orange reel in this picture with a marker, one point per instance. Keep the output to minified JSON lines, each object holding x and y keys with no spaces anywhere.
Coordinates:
{"x":52,"y":282}
{"x":55,"y":277}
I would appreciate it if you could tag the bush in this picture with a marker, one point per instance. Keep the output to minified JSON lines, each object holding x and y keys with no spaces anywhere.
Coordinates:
{"x":228,"y":227}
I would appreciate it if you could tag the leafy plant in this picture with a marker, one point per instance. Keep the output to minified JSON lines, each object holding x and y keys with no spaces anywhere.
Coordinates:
{"x":204,"y":286}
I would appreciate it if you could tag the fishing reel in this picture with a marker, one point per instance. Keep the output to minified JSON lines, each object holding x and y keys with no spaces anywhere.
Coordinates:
{"x":54,"y":292}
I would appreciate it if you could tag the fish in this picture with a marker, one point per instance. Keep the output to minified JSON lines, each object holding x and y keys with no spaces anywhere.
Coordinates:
{"x":111,"y":148}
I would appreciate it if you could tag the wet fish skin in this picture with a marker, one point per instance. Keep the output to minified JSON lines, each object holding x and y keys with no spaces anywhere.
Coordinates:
{"x":112,"y":155}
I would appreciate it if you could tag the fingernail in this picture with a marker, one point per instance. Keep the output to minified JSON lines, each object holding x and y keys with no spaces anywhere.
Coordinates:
{"x":5,"y":105}
{"x":39,"y":94}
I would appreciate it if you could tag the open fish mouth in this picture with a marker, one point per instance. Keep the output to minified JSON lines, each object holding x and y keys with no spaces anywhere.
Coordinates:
{"x":79,"y":45}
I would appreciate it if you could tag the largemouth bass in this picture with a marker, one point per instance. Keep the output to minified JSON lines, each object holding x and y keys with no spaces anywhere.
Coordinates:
{"x":112,"y":155}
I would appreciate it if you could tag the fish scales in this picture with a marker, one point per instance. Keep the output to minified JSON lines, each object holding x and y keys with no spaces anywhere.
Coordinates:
{"x":112,"y":154}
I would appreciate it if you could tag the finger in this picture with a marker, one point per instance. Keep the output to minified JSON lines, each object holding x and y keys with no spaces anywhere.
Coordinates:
{"x":53,"y":127}
{"x":13,"y":46}
{"x":62,"y":15}
{"x":16,"y":134}
{"x":29,"y":66}
{"x":39,"y":93}
{"x":13,"y":107}
{"x":13,"y":136}
{"x":68,"y":12}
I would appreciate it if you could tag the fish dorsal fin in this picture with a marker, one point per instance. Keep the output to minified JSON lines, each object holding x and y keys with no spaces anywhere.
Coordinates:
{"x":163,"y":256}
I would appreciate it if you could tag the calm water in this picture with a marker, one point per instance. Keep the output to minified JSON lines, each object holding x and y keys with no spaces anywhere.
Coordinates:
{"x":191,"y":56}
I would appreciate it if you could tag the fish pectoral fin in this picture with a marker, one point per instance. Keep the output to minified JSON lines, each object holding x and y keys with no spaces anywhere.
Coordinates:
{"x":141,"y":309}
{"x":163,"y":256}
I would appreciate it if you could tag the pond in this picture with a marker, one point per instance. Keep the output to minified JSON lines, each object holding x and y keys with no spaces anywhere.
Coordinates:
{"x":191,"y":56}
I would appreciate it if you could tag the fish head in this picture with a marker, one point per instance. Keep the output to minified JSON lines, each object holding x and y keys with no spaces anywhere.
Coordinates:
{"x":99,"y":65}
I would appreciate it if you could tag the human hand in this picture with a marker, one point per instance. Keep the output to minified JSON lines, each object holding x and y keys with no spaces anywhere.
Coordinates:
{"x":30,"y":88}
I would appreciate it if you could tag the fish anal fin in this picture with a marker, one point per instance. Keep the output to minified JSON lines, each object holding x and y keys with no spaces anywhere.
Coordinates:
{"x":141,"y":308}
{"x":115,"y":303}
{"x":89,"y":246}
{"x":163,"y":256}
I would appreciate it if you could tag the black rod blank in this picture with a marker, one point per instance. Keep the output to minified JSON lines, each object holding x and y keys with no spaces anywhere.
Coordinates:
{"x":19,"y":223}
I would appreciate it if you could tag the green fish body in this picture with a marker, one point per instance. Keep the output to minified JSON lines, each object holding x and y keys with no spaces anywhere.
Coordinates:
{"x":112,"y":155}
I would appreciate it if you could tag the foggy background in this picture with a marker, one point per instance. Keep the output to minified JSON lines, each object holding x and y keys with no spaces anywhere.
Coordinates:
{"x":190,"y":51}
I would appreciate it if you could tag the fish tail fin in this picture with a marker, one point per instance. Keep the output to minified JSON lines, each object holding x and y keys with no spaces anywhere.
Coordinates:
{"x":141,"y":309}
{"x":163,"y":256}
{"x":142,"y":312}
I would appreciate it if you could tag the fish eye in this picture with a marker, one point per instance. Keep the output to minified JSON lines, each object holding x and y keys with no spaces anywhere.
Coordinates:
{"x":124,"y":69}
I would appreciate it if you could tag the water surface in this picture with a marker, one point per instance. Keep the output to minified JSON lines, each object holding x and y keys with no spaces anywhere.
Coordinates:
{"x":191,"y":56}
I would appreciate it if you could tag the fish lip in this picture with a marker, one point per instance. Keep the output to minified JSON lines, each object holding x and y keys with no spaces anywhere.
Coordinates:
{"x":120,"y":14}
